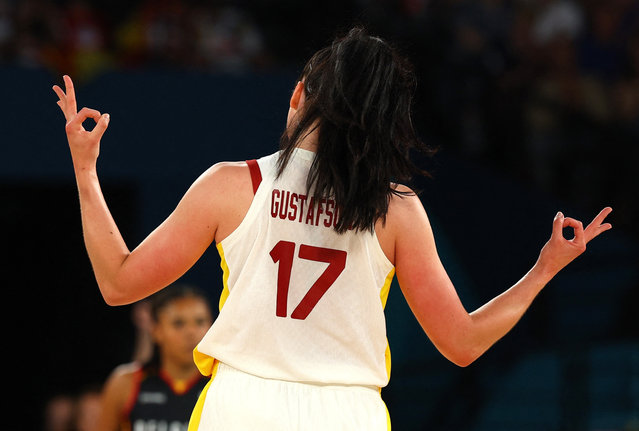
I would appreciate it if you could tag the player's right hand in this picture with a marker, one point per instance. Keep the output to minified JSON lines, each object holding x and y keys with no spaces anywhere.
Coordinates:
{"x":84,"y":144}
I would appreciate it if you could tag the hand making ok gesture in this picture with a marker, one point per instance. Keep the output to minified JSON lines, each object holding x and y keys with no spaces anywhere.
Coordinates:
{"x":559,"y":251}
{"x":84,"y":144}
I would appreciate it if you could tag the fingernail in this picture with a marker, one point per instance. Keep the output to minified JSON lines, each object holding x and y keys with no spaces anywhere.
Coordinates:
{"x":559,"y":214}
{"x":107,"y":117}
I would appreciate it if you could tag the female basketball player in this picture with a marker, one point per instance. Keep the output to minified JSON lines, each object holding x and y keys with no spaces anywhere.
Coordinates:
{"x":310,"y":239}
{"x":161,"y":393}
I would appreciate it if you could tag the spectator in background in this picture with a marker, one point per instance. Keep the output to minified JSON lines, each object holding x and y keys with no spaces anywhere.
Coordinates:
{"x":36,"y":35}
{"x":626,"y":92}
{"x":164,"y":390}
{"x":59,"y":413}
{"x":600,"y":49}
{"x":88,"y":409}
{"x":73,"y":412}
{"x":6,"y":30}
{"x":85,"y":40}
{"x":199,"y":36}
{"x":563,"y":103}
{"x":557,"y":18}
{"x":620,"y":166}
{"x":226,"y":39}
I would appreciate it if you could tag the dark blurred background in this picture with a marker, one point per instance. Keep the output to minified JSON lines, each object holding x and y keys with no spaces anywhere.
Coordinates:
{"x":534,"y":106}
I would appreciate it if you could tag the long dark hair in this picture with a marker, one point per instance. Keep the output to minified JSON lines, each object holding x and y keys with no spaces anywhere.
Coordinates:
{"x":358,"y":96}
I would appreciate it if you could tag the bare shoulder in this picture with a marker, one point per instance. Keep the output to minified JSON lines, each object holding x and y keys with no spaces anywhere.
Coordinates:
{"x":222,"y":183}
{"x":226,"y":173}
{"x":116,"y":394}
{"x":228,"y":189}
{"x":229,"y":168}
{"x":123,"y":374}
{"x":404,"y":209}
{"x":404,"y":204}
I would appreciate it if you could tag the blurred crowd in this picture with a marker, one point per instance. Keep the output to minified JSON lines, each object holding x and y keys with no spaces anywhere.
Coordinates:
{"x":85,"y":38}
{"x":547,"y":90}
{"x":73,"y":411}
{"x":544,"y":90}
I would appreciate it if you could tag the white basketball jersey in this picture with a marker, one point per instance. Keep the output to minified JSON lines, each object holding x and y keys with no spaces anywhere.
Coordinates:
{"x":300,"y":301}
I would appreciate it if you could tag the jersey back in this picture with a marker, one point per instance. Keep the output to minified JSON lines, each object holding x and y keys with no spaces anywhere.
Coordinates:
{"x":300,"y":301}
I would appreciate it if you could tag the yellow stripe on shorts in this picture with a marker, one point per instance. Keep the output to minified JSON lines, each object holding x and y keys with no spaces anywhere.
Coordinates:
{"x":196,"y":415}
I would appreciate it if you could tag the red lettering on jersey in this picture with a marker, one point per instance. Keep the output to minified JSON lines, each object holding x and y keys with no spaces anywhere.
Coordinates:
{"x":320,"y":211}
{"x":330,"y":204}
{"x":302,"y":202}
{"x":292,"y":214}
{"x":284,"y":204}
{"x":274,"y":203}
{"x":310,"y":215}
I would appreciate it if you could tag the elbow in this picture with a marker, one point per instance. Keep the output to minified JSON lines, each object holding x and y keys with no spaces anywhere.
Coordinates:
{"x":113,"y":295}
{"x":462,"y":359}
{"x":112,"y":301}
{"x":463,"y":356}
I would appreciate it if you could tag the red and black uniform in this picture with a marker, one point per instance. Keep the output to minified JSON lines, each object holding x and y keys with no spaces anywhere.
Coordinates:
{"x":159,"y":403}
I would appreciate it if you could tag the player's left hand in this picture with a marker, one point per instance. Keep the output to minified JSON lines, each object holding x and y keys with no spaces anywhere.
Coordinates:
{"x":560,"y":251}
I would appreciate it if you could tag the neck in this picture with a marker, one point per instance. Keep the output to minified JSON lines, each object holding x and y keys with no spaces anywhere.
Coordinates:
{"x":179,"y":372}
{"x":309,"y":141}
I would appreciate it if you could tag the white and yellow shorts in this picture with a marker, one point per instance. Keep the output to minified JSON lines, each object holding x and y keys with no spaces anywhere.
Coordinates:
{"x":237,"y":401}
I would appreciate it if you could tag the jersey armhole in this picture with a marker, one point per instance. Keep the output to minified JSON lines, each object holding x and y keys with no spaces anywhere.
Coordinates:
{"x":133,"y":396}
{"x":256,"y":174}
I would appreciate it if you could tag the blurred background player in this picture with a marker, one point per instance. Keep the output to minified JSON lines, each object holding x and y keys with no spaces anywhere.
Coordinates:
{"x":161,"y":392}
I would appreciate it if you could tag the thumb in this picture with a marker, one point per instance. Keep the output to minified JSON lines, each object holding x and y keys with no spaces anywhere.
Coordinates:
{"x":101,"y":126}
{"x":557,"y":225}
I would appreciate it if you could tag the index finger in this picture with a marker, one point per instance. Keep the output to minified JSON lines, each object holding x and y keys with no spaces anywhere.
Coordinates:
{"x":84,"y":113}
{"x":597,"y":226}
{"x":58,"y":91}
{"x":72,"y":106}
{"x":577,"y":227}
{"x":598,"y":220}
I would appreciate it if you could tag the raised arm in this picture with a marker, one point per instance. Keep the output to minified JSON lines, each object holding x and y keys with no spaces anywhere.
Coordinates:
{"x":461,"y":336}
{"x":125,"y":276}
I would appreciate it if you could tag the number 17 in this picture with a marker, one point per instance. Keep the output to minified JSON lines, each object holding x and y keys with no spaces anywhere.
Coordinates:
{"x":284,"y":253}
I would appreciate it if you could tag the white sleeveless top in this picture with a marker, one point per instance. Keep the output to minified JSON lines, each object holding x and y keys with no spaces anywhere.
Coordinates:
{"x":300,"y":301}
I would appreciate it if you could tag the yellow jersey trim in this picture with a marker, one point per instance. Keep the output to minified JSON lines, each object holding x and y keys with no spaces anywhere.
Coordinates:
{"x":384,"y":297}
{"x":225,"y":277}
{"x":204,"y":362}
